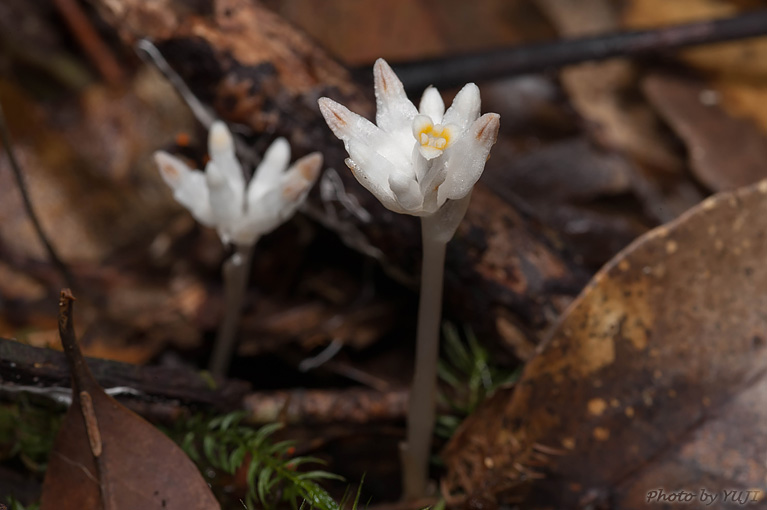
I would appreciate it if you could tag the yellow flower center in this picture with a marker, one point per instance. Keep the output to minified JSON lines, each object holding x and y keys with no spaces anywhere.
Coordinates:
{"x":436,"y":136}
{"x":433,"y":138}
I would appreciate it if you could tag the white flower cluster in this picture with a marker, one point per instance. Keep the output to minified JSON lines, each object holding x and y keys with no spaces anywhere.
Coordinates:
{"x":219,"y":198}
{"x":416,"y":160}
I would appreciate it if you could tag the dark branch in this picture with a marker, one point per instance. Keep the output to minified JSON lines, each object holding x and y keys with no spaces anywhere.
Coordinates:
{"x":19,"y":175}
{"x":31,"y":366}
{"x":450,"y":71}
{"x":165,"y":393}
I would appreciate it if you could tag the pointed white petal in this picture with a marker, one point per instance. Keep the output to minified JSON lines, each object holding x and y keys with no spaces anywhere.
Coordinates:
{"x":406,"y":191}
{"x":346,"y":124}
{"x":432,"y":105}
{"x":189,"y":187}
{"x":172,"y":169}
{"x":420,"y":164}
{"x":465,"y":107}
{"x":275,"y":205}
{"x":431,"y":183}
{"x":394,"y":110}
{"x":262,"y":217}
{"x":372,"y":171}
{"x":221,"y":150}
{"x":301,"y":177}
{"x":269,"y":172}
{"x":466,"y":159}
{"x":220,"y":141}
{"x":194,"y":195}
{"x":226,"y":200}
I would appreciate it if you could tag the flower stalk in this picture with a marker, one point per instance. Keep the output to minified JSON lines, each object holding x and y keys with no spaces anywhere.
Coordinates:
{"x":423,"y":162}
{"x":423,"y":393}
{"x":235,"y":272}
{"x":240,"y":211}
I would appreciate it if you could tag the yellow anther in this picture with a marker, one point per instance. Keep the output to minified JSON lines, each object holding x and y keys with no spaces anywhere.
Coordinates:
{"x":435,"y":136}
{"x":433,"y":139}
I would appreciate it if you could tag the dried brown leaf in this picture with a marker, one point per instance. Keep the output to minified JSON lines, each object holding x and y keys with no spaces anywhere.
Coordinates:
{"x":107,"y":458}
{"x":725,"y":152}
{"x":650,"y":379}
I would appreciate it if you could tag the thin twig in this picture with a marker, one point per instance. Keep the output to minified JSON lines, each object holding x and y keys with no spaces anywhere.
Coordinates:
{"x":149,"y":52}
{"x":81,"y":377}
{"x":205,"y":115}
{"x":450,"y":71}
{"x":84,"y":387}
{"x":19,"y":175}
{"x":90,"y":41}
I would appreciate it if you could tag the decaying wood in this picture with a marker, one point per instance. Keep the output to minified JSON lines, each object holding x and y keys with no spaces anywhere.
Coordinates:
{"x":258,"y":71}
{"x":354,"y":405}
{"x":165,"y":394}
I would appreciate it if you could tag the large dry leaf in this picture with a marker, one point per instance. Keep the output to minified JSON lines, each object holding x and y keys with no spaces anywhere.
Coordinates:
{"x":108,"y":458}
{"x":725,"y":152}
{"x":653,"y":378}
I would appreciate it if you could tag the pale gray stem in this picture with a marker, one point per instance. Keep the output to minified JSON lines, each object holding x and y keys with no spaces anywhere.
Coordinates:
{"x":236,"y":270}
{"x":416,"y":450}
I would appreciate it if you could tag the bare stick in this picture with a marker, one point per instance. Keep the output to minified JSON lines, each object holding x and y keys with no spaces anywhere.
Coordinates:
{"x":19,"y":176}
{"x":90,"y":41}
{"x":205,"y":115}
{"x":448,"y":71}
{"x":236,"y":270}
{"x":81,"y":375}
{"x":416,"y":450}
{"x":84,"y":386}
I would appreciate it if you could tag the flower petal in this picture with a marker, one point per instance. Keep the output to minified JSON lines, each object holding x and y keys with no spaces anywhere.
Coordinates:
{"x":467,"y":157}
{"x":220,"y":141}
{"x":394,"y":111}
{"x":406,"y":190}
{"x":226,"y":200}
{"x":269,"y":173}
{"x":420,"y":165}
{"x":372,"y":171}
{"x":431,"y":183}
{"x":172,"y":169}
{"x":346,"y":124}
{"x":465,"y":107}
{"x":297,"y":181}
{"x":262,"y":217}
{"x":432,"y":105}
{"x":189,"y":187}
{"x":221,"y":150}
{"x":276,"y":204}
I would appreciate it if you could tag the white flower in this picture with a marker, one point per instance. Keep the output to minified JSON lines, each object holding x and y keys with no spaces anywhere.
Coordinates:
{"x":415,"y":160}
{"x":218,"y":197}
